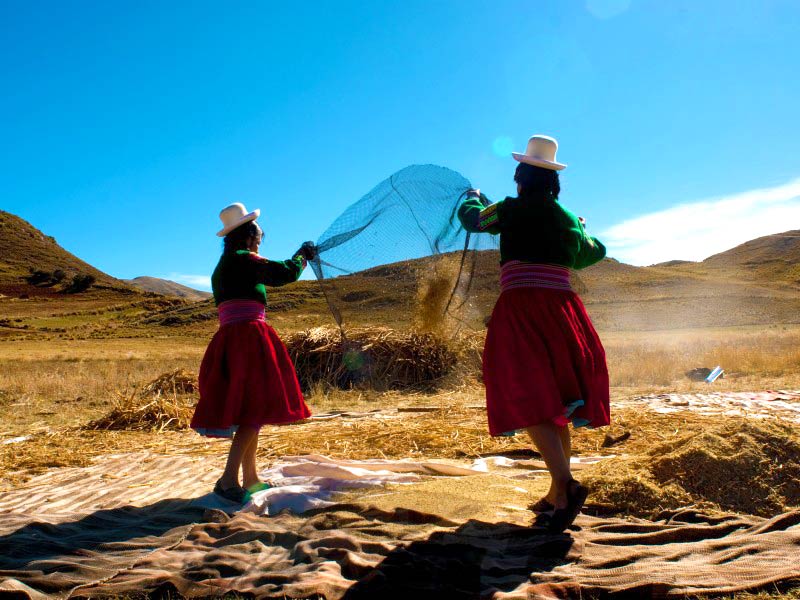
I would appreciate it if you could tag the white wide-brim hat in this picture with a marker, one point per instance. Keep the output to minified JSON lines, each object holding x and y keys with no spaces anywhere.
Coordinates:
{"x":541,"y":152}
{"x":233,"y":216}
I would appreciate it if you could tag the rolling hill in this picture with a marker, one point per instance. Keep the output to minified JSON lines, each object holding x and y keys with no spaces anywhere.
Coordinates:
{"x":754,"y":284}
{"x":45,"y":290}
{"x":771,"y":259}
{"x":620,"y":297}
{"x":165,"y":287}
{"x":33,"y":264}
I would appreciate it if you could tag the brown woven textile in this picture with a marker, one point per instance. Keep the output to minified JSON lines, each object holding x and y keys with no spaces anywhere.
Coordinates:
{"x":353,"y":552}
{"x":463,"y":549}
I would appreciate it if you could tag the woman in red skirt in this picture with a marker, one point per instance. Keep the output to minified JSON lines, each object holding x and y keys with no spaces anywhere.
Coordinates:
{"x":246,"y":378}
{"x":543,"y":362}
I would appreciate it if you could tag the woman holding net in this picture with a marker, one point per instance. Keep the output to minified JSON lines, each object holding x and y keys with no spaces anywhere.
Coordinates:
{"x":543,"y":362}
{"x":247,"y":378}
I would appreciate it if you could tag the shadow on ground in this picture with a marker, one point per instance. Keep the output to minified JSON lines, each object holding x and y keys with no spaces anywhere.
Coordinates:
{"x":37,"y":545}
{"x":470,"y":561}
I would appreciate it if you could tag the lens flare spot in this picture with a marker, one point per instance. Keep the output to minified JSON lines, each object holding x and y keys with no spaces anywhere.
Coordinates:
{"x":353,"y":360}
{"x":606,"y":9}
{"x":503,"y":146}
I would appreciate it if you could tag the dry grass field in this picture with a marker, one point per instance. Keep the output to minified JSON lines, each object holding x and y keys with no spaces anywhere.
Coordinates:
{"x":52,"y":389}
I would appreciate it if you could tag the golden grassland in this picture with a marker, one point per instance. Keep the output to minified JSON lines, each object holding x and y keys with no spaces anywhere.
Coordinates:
{"x":80,"y":400}
{"x":63,"y":382}
{"x":53,"y":390}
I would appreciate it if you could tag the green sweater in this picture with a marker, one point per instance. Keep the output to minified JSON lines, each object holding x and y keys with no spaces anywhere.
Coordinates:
{"x":536,"y":231}
{"x":244,"y":275}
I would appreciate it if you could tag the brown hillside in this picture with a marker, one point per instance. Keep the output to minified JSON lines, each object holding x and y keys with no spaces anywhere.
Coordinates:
{"x":165,"y":287}
{"x":783,"y":247}
{"x":24,"y":249}
{"x":747,"y":286}
{"x":772,"y":259}
{"x":619,"y":297}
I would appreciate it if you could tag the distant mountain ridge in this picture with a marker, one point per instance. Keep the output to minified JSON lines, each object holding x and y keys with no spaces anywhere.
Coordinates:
{"x":167,"y":287}
{"x":619,"y":297}
{"x":754,"y":284}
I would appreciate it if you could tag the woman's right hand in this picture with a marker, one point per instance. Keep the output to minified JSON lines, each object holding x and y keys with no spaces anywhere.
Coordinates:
{"x":308,"y":251}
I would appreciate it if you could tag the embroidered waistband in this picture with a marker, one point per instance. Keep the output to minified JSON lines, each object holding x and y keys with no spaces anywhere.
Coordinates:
{"x":238,"y":311}
{"x":518,"y":274}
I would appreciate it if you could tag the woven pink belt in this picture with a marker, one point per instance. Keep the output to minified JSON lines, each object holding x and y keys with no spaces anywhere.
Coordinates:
{"x":517,"y":274}
{"x":240,"y":311}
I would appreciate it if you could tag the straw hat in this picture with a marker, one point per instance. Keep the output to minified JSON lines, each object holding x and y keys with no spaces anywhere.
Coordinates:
{"x":541,"y":152}
{"x":235,"y":215}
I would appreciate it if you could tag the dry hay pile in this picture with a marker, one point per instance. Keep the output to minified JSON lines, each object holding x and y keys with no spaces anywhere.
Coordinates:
{"x":162,"y":405}
{"x":179,"y":381}
{"x":740,"y":465}
{"x":156,"y":413}
{"x":376,"y":358}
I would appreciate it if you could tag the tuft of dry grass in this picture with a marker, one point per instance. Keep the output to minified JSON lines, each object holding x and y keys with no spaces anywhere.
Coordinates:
{"x":155,"y":413}
{"x":375,"y":358}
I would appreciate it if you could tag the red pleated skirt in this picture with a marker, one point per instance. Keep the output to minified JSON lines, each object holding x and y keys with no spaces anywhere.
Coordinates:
{"x":543,"y":361}
{"x":247,"y":378}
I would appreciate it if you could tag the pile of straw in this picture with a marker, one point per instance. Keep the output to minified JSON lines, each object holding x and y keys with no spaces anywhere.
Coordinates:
{"x":739,"y":465}
{"x":162,"y":405}
{"x":376,"y":358}
{"x":133,"y":412}
{"x":179,"y":381}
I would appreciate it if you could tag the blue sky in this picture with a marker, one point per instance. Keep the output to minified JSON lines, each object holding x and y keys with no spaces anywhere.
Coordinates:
{"x":127,"y":126}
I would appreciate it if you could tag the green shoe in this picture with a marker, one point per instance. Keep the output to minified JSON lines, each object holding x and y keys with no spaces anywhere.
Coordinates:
{"x":258,"y":487}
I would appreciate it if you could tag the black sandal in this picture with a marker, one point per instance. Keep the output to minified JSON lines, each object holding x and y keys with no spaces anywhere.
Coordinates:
{"x":235,"y":494}
{"x":542,"y":506}
{"x":561,"y":518}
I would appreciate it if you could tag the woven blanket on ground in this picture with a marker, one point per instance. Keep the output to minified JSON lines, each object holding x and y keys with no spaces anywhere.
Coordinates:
{"x":445,"y":535}
{"x":781,"y":404}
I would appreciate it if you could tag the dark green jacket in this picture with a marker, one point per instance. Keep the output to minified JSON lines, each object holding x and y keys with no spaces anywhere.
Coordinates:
{"x":244,"y":275}
{"x":537,"y":231}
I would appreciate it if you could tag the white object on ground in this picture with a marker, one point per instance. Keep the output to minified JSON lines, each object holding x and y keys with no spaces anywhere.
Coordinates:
{"x":715,"y":374}
{"x":15,"y":440}
{"x":536,"y":464}
{"x":302,"y":483}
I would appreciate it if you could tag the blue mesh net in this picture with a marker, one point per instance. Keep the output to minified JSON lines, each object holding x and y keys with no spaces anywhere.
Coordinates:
{"x":410,"y":215}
